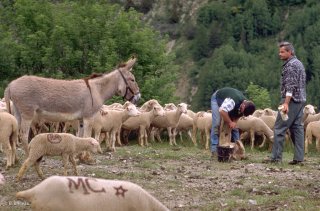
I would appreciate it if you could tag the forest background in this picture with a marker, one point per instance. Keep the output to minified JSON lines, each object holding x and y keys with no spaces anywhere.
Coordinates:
{"x":186,"y":49}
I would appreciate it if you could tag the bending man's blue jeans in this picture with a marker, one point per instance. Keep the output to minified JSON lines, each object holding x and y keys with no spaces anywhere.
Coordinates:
{"x":215,"y":126}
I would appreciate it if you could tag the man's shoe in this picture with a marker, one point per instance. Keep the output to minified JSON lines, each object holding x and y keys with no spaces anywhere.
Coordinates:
{"x":214,"y":155}
{"x":295,"y":162}
{"x":270,"y":160}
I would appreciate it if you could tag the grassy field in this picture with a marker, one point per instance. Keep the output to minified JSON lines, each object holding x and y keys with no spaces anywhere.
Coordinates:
{"x":185,"y":178}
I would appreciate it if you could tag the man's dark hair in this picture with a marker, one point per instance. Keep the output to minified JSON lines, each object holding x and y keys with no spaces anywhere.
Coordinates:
{"x":249,"y":108}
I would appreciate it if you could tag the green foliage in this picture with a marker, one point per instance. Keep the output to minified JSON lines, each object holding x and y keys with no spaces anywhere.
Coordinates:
{"x":72,"y":39}
{"x":259,"y":96}
{"x":244,"y":48}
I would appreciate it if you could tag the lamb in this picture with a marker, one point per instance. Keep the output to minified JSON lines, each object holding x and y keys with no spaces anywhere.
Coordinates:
{"x":64,"y":144}
{"x":111,"y":120}
{"x":143,"y":122}
{"x":313,"y":129}
{"x":309,"y":115}
{"x":185,"y":123}
{"x":253,"y":124}
{"x":202,"y":121}
{"x":9,"y":137}
{"x":85,"y":193}
{"x":170,"y":121}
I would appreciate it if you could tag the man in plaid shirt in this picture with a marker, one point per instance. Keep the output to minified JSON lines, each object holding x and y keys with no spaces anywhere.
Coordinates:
{"x":293,"y":98}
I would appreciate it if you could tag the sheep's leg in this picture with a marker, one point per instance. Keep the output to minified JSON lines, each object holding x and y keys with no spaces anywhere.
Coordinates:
{"x":118,"y":136}
{"x":141,"y":136}
{"x":318,"y":144}
{"x":194,"y":135}
{"x":38,"y":169}
{"x":145,"y":137}
{"x":189,"y":134}
{"x":207,"y":138}
{"x":180,"y":135}
{"x":8,"y":152}
{"x":65,"y":159}
{"x":174,"y":132}
{"x":24,"y":168}
{"x":113,"y":140}
{"x":97,"y":133}
{"x":263,"y":141}
{"x":306,"y":142}
{"x":14,"y":157}
{"x":74,"y":164}
{"x":252,"y":139}
{"x":170,"y":136}
{"x":1,"y":150}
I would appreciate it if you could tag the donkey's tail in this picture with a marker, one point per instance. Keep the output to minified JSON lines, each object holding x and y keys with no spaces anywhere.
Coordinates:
{"x":7,"y":97}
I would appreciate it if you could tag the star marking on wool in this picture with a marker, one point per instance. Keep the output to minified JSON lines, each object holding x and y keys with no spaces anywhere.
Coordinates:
{"x":120,"y":191}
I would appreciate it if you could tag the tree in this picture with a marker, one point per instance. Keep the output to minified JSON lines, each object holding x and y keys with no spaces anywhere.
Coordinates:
{"x":259,"y":96}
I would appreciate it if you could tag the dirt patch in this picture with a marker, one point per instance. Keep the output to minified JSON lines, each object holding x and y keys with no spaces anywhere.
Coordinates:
{"x":185,"y":178}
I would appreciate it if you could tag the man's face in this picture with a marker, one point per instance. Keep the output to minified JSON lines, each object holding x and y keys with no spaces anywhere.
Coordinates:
{"x":284,"y":54}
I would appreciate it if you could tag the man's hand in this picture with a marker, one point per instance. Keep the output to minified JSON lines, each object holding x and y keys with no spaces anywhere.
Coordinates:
{"x":285,"y":108}
{"x":232,"y":125}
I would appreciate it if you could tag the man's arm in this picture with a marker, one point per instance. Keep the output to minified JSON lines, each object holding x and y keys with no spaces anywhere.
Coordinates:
{"x":227,"y":119}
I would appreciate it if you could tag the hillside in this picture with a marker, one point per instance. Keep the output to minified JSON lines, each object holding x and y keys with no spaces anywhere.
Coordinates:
{"x":234,"y":43}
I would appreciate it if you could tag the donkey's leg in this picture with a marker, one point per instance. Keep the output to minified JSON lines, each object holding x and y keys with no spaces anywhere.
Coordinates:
{"x":24,"y":134}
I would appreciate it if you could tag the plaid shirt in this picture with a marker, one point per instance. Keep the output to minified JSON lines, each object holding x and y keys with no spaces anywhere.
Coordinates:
{"x":293,"y":80}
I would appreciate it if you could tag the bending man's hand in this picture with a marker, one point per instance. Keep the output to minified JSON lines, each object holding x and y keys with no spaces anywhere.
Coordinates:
{"x":232,"y":125}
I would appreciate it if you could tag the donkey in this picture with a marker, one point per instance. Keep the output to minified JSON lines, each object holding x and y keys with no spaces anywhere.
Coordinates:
{"x":64,"y":100}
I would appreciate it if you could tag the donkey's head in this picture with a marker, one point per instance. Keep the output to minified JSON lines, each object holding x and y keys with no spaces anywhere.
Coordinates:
{"x":128,"y":88}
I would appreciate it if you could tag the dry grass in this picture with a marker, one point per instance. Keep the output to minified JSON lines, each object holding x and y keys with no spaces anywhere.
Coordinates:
{"x":184,"y":178}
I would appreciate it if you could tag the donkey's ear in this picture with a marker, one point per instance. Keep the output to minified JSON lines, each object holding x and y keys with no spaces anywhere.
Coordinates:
{"x":131,"y":62}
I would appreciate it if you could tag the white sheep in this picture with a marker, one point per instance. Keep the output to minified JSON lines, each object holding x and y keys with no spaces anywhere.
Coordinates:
{"x":9,"y":137}
{"x":85,"y":193}
{"x":54,"y":144}
{"x":202,"y":122}
{"x":142,"y":122}
{"x":309,"y":115}
{"x":313,"y":129}
{"x":254,"y":125}
{"x":110,"y":121}
{"x":170,"y":121}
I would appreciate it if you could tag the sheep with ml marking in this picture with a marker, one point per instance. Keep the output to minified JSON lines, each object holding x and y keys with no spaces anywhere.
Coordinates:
{"x":9,"y":137}
{"x":53,"y":144}
{"x":85,"y":193}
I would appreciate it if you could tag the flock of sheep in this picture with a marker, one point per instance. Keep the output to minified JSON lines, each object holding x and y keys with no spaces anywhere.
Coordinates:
{"x":149,"y":120}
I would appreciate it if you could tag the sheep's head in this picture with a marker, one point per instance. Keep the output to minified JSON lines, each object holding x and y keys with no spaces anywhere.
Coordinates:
{"x":309,"y":109}
{"x":170,"y":107}
{"x":158,"y":110}
{"x":183,"y":107}
{"x":132,"y":110}
{"x":95,"y":146}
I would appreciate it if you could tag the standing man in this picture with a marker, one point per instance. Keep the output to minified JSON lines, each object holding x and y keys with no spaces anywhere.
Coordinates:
{"x":230,"y":104}
{"x":293,"y":98}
